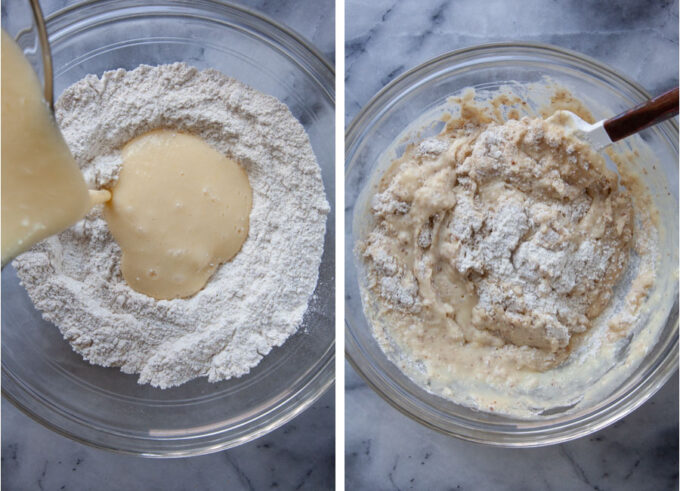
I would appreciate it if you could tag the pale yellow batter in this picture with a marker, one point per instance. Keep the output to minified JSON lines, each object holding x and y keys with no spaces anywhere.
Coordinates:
{"x":179,"y":209}
{"x":43,"y":191}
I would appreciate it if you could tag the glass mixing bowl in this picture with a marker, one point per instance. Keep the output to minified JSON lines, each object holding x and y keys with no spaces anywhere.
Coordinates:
{"x":428,"y":86}
{"x":102,"y":406}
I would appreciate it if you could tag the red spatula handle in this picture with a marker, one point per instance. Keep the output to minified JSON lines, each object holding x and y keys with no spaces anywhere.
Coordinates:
{"x":640,"y":117}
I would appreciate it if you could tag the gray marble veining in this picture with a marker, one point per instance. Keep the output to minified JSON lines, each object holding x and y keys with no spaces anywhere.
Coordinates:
{"x":313,"y":20}
{"x":300,"y":455}
{"x":387,"y":450}
{"x":384,"y":38}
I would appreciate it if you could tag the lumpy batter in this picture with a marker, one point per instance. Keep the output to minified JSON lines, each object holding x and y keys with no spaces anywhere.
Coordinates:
{"x":493,"y":248}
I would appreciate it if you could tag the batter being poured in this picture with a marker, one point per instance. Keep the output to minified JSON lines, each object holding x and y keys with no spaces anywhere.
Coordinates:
{"x":43,"y":191}
{"x":179,"y":209}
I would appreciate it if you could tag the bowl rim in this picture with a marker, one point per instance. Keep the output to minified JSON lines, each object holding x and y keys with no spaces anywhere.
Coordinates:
{"x":299,"y":38}
{"x":293,"y":404}
{"x":618,"y":408}
{"x":537,"y":47}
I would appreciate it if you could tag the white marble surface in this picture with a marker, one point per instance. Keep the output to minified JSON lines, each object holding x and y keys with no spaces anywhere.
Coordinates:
{"x":387,"y":450}
{"x":300,"y":455}
{"x":384,"y":38}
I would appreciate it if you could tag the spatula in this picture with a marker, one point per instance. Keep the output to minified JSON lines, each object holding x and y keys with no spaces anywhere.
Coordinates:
{"x":603,"y":133}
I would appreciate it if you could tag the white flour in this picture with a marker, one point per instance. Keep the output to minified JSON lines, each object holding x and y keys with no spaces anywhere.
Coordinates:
{"x":251,"y":304}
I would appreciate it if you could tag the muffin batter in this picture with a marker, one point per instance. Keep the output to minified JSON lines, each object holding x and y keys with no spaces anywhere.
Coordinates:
{"x":493,"y":249}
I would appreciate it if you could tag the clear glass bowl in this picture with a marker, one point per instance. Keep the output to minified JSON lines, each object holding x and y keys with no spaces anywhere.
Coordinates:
{"x":108,"y":409}
{"x":426,"y":87}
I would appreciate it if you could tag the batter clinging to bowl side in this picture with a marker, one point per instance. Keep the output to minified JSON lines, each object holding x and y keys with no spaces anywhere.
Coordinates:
{"x":493,"y":247}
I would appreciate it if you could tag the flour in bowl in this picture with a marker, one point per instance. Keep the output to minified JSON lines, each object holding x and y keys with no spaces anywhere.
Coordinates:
{"x":252,"y":303}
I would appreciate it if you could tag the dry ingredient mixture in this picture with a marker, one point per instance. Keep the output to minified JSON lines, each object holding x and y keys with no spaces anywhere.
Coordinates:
{"x":252,"y":303}
{"x":494,"y":247}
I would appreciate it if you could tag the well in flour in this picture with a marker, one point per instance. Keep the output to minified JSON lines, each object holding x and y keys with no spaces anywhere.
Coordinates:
{"x":251,"y":304}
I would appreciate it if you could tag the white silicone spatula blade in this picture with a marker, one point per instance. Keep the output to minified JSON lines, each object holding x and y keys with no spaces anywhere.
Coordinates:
{"x":603,"y":133}
{"x":595,"y":134}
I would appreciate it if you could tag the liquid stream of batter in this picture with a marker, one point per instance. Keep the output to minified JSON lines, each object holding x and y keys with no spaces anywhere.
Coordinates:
{"x":43,"y":190}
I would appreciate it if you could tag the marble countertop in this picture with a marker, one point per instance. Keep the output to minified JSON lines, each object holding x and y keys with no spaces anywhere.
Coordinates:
{"x":387,"y":450}
{"x":385,"y":38}
{"x":300,"y":455}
